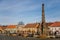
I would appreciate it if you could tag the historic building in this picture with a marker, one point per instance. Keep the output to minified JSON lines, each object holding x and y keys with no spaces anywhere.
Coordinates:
{"x":1,"y":29}
{"x":54,"y":29}
{"x":29,"y":28}
{"x":11,"y":29}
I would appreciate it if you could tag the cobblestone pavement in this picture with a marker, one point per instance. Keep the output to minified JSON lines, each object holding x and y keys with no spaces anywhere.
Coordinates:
{"x":22,"y":38}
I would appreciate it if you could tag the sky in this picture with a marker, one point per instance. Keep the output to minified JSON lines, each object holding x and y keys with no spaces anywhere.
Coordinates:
{"x":28,"y":11}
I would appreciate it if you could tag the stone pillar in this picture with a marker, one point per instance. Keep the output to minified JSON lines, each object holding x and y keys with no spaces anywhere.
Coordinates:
{"x":43,"y":25}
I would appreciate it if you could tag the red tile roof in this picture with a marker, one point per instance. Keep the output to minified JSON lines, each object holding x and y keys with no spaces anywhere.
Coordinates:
{"x":11,"y":26}
{"x":35,"y":25}
{"x":0,"y":28}
{"x":32,"y":25}
{"x":4,"y":27}
{"x":49,"y":24}
{"x":56,"y":24}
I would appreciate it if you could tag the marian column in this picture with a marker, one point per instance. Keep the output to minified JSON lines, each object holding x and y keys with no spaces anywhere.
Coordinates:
{"x":43,"y":25}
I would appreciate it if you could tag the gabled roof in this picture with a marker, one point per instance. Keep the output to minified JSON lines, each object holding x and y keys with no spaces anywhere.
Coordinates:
{"x":11,"y":26}
{"x":56,"y":24}
{"x":32,"y":25}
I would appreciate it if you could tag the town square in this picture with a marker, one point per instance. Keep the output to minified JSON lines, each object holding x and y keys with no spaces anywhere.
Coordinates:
{"x":29,"y":20}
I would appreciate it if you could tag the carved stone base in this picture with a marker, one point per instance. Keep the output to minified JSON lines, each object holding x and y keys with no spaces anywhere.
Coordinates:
{"x":43,"y":36}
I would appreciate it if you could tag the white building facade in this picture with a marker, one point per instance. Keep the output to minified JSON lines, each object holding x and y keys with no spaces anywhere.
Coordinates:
{"x":54,"y":29}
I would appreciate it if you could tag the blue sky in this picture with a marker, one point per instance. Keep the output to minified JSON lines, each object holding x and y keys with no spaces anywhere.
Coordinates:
{"x":28,"y":11}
